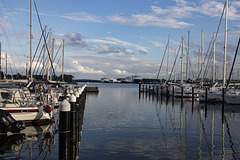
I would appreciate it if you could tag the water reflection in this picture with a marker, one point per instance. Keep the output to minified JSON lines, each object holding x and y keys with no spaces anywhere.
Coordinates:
{"x":34,"y":142}
{"x":120,"y":123}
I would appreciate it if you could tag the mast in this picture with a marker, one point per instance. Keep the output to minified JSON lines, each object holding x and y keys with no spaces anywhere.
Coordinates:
{"x":53,"y":40}
{"x":26,"y":71}
{"x":182,"y":62}
{"x":6,"y":64}
{"x":188,"y":55}
{"x":63,"y":61}
{"x":202,"y":58}
{"x":0,"y":60}
{"x":225,"y":46}
{"x":49,"y":47}
{"x":44,"y":51}
{"x":214,"y":63}
{"x":168,"y":55}
{"x":30,"y":70}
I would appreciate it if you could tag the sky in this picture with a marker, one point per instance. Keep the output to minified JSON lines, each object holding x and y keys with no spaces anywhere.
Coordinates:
{"x":120,"y":38}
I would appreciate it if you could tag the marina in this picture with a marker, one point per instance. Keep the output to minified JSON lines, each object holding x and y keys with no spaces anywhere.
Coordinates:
{"x":138,"y":126}
{"x":94,"y":86}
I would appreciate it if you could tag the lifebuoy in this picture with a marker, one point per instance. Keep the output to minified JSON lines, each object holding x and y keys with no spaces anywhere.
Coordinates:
{"x":47,"y":108}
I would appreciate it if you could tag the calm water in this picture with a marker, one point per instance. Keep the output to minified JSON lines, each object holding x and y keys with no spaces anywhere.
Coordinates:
{"x":120,"y":123}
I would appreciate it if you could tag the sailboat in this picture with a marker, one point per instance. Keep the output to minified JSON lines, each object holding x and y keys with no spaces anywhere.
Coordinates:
{"x":29,"y":109}
{"x":215,"y":93}
{"x":232,"y":96}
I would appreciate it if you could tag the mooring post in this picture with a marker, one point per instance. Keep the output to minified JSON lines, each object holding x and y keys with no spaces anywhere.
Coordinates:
{"x":73,"y":100}
{"x":157,"y":90}
{"x":223,"y":95}
{"x":192,"y":96}
{"x":161,"y":90}
{"x":153,"y":89}
{"x":182,"y":92}
{"x":64,"y":130}
{"x":223,"y":100}
{"x":77,"y":114}
{"x":146,"y":89}
{"x":173,"y":91}
{"x":192,"y":93}
{"x":139,"y":86}
{"x":167,"y":91}
{"x":206,"y":94}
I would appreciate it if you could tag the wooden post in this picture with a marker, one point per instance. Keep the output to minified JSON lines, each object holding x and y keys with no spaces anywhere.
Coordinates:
{"x":192,"y":93}
{"x":139,"y":86}
{"x":206,"y":94}
{"x":153,"y":90}
{"x":157,"y":90}
{"x":167,"y":91}
{"x":173,"y":91}
{"x":161,"y":90}
{"x":223,"y":95}
{"x":182,"y":92}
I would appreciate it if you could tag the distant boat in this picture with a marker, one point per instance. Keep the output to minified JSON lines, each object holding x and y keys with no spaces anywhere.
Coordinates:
{"x":233,"y":96}
{"x":136,"y":79}
{"x":132,"y":79}
{"x":105,"y":80}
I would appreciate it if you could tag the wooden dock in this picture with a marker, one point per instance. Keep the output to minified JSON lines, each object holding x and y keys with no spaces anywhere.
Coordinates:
{"x":92,"y":89}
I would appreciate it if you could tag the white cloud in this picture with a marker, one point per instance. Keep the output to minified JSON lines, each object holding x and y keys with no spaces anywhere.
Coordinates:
{"x":170,"y":16}
{"x":116,"y":48}
{"x":82,"y":16}
{"x":75,"y":67}
{"x":157,"y":44}
{"x":149,"y":20}
{"x":120,"y":72}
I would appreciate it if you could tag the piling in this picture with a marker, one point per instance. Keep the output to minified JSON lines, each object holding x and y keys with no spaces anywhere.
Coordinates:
{"x":77,"y":114}
{"x":192,"y":96}
{"x":167,"y":91}
{"x":223,"y":95}
{"x":182,"y":92}
{"x":73,"y":100}
{"x":161,"y":90}
{"x":206,"y":94}
{"x":64,"y":130}
{"x":157,"y":90}
{"x":173,"y":91}
{"x":153,"y":90}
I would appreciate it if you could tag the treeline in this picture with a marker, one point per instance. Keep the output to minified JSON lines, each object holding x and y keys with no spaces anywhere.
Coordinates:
{"x":17,"y":76}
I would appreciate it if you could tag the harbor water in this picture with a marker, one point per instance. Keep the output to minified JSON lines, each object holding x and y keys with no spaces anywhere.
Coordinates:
{"x":121,"y":123}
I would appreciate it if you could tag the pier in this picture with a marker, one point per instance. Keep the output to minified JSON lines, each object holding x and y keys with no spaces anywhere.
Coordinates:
{"x":70,"y":124}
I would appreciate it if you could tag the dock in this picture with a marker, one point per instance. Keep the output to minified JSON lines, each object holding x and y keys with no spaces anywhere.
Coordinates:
{"x":92,"y":89}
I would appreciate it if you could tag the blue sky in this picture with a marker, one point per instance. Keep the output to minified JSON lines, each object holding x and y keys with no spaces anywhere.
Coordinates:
{"x":105,"y":38}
